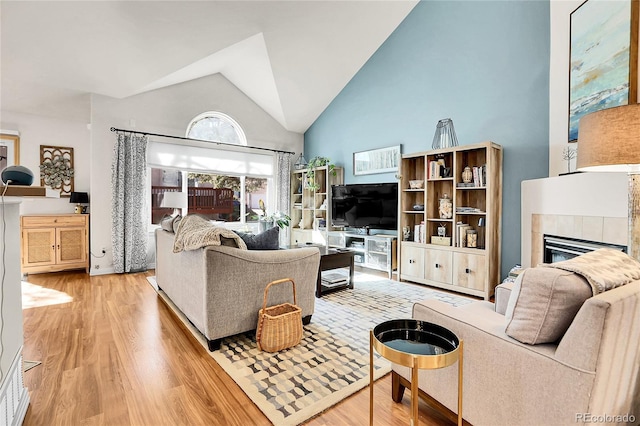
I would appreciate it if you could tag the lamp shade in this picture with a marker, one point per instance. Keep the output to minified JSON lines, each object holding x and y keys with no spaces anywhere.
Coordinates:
{"x":174,"y":200}
{"x":79,"y":198}
{"x":609,"y":140}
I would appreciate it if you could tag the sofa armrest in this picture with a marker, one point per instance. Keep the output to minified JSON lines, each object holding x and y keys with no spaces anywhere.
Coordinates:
{"x":503,"y":293}
{"x":502,"y":377}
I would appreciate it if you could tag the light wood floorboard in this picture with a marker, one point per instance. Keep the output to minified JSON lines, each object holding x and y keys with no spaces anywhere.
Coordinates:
{"x":116,"y":355}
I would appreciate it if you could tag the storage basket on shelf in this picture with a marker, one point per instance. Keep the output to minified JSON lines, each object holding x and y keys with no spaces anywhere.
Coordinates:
{"x":279,"y":326}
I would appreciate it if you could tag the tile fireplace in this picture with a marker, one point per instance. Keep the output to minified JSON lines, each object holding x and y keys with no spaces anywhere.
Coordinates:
{"x":557,"y":248}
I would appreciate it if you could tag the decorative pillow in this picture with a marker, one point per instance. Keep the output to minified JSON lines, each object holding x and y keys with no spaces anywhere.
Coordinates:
{"x":170,"y":223}
{"x":229,"y":242}
{"x":176,"y":223}
{"x":267,"y":240}
{"x":543,"y":303}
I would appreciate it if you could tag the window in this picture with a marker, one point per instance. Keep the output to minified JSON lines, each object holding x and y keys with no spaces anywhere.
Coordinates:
{"x":216,"y":127}
{"x":220,"y":184}
{"x":163,"y":180}
{"x":214,"y":196}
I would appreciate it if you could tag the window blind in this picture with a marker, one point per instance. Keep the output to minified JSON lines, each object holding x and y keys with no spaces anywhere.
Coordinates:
{"x":194,"y":158}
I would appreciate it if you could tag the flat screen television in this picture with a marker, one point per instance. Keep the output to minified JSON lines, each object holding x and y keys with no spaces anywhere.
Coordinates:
{"x":365,"y":205}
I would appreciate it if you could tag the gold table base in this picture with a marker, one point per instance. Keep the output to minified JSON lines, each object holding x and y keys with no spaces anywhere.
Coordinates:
{"x":415,"y":362}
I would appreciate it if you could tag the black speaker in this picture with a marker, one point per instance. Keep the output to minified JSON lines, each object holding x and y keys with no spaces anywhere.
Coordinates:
{"x":17,"y":175}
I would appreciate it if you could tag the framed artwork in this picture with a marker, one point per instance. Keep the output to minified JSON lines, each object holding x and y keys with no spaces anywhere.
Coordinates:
{"x":603,"y":69}
{"x":9,"y":150}
{"x":56,"y":168}
{"x":383,"y":160}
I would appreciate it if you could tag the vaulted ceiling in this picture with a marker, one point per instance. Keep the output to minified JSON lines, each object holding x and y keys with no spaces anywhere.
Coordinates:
{"x":290,"y":57}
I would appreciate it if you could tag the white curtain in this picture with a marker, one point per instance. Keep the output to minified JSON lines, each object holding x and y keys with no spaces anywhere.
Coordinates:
{"x":128,"y":215}
{"x":283,"y":191}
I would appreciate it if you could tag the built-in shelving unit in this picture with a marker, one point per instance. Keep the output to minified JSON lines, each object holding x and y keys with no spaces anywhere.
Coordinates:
{"x":476,"y":208}
{"x":311,"y":203}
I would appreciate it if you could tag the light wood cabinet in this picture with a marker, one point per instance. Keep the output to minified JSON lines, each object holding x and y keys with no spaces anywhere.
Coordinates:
{"x":475,"y":205}
{"x":412,"y":262}
{"x":311,"y":204}
{"x":51,"y":243}
{"x":469,"y":271}
{"x":438,"y":266}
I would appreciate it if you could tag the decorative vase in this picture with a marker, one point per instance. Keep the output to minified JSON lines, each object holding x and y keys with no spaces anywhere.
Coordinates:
{"x":263,"y":225}
{"x":445,"y":136}
{"x":467,"y":175}
{"x":445,"y":207}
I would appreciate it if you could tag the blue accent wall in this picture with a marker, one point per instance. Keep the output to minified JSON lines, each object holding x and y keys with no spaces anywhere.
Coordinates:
{"x":484,"y":64}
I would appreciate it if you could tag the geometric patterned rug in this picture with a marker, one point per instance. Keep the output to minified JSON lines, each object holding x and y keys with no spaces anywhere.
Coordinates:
{"x":332,"y":360}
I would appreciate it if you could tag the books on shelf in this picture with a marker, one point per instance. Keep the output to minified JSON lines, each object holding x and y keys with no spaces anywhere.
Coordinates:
{"x":419,"y":233}
{"x":479,"y":178}
{"x":461,"y":234}
{"x":463,"y":210}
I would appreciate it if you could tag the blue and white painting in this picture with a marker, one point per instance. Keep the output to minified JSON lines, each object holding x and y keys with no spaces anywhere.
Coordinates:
{"x":600,"y":46}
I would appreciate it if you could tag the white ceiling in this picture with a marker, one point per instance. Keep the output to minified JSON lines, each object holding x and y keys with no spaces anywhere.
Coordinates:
{"x":290,"y":57}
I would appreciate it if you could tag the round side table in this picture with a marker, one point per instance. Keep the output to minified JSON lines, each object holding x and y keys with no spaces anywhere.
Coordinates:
{"x":418,"y":345}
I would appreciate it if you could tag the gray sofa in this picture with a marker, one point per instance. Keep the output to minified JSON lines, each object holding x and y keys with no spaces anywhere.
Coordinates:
{"x":220,"y":289}
{"x":591,"y":375}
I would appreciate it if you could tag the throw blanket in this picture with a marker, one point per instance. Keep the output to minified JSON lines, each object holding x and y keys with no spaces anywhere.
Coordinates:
{"x":195,"y":232}
{"x":604,"y":268}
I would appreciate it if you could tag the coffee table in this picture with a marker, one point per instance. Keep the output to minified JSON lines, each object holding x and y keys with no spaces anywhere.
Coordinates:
{"x":334,"y":259}
{"x":418,"y":345}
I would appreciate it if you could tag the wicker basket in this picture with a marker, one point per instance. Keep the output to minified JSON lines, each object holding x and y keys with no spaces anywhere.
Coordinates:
{"x":279,"y":326}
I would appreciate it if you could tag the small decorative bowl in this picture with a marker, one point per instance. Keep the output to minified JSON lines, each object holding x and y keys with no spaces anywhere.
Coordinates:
{"x":418,"y":207}
{"x":416,"y":184}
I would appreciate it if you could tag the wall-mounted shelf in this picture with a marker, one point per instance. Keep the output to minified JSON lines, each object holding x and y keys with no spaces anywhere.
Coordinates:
{"x":30,"y":191}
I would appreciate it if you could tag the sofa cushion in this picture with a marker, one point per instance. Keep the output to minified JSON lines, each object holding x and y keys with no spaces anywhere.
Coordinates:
{"x":267,"y":240}
{"x":543,"y":303}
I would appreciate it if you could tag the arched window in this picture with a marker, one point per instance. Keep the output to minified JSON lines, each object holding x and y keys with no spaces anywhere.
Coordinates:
{"x":216,"y":127}
{"x":221,"y":184}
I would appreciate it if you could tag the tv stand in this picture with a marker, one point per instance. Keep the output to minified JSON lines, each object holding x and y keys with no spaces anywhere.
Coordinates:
{"x":371,"y":251}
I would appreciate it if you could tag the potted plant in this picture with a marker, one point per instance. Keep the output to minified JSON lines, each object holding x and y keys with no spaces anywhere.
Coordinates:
{"x":268,"y":221}
{"x":311,"y":173}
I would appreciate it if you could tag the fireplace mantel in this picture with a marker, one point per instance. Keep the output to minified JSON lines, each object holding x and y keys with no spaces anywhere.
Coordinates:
{"x":590,"y":206}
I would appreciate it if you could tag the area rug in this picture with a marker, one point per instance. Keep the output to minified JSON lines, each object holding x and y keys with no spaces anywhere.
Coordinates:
{"x":332,"y":360}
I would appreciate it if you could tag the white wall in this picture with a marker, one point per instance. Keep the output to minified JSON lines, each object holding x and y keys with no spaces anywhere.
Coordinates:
{"x":167,"y":111}
{"x":35,"y":131}
{"x":164,"y":111}
{"x":560,"y":11}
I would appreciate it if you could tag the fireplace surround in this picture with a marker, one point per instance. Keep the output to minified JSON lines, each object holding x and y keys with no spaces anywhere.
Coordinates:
{"x":584,"y":206}
{"x":557,"y":248}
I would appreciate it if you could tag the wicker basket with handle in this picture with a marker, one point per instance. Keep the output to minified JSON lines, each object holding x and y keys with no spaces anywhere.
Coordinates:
{"x":279,"y":326}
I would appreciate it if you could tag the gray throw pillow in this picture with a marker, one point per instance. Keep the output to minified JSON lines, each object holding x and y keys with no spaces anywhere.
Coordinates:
{"x":543,"y":303}
{"x":170,"y":223}
{"x":267,"y":240}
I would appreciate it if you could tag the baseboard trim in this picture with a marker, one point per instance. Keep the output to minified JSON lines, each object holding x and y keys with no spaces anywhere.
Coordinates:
{"x":102,"y":271}
{"x":107,"y":271}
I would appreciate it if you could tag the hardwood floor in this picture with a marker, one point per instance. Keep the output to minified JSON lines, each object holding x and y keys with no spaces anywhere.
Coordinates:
{"x":113,"y":354}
